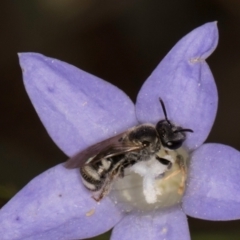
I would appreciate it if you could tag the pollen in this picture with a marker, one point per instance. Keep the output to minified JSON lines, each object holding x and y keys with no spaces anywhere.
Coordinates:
{"x":150,"y":185}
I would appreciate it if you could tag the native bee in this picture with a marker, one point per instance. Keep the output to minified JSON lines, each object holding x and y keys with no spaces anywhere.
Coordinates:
{"x":106,"y":161}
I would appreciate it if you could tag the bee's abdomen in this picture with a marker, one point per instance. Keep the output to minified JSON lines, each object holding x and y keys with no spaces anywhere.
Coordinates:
{"x":91,"y":178}
{"x":94,"y":175}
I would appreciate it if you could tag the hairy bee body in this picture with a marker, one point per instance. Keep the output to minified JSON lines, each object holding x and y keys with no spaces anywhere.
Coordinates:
{"x":95,"y":173}
{"x":105,"y":161}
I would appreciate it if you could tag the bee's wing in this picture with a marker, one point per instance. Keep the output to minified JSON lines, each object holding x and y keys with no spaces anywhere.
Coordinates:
{"x":107,"y":148}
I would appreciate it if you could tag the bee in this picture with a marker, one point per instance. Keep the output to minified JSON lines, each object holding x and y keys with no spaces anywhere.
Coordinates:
{"x":106,"y":161}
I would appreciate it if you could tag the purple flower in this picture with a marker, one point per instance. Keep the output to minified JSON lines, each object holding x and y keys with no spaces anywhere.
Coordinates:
{"x":78,"y":110}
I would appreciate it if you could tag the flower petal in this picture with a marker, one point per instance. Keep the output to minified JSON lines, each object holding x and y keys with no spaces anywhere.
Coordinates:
{"x":77,"y":108}
{"x":170,"y":224}
{"x":55,"y":205}
{"x":213,"y":190}
{"x":185,"y":83}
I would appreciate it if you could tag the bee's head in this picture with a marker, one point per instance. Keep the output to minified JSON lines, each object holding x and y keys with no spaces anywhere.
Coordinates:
{"x":170,"y":135}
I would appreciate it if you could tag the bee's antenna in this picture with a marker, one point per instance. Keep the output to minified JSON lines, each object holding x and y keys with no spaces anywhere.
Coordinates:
{"x":164,"y":110}
{"x":165,"y":114}
{"x":183,"y":130}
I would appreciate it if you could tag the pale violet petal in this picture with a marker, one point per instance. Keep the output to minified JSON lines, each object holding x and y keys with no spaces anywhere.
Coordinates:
{"x":55,"y":205}
{"x":213,"y":189}
{"x":77,"y":108}
{"x":169,"y":224}
{"x":185,"y":83}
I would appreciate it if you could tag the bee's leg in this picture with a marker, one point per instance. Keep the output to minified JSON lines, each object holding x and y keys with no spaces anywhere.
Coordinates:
{"x":103,"y":192}
{"x":108,"y":183}
{"x":183,"y":169}
{"x":126,"y":164}
{"x":121,"y":172}
{"x":171,"y":175}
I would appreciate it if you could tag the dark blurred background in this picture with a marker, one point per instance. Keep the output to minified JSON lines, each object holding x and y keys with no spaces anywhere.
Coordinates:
{"x":122,"y":42}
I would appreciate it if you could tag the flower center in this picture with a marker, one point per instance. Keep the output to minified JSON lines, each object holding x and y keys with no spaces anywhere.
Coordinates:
{"x":152,"y":184}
